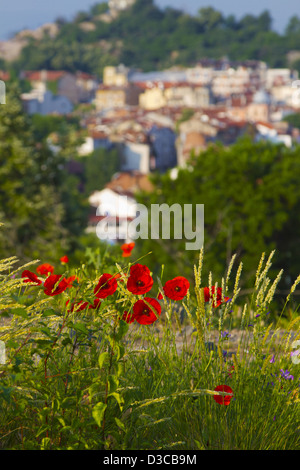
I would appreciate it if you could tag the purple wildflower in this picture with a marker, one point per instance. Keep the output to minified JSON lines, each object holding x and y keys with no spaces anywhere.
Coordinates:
{"x":225,"y":334}
{"x":286,"y":375}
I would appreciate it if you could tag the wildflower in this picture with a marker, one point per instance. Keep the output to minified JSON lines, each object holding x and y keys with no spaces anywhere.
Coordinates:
{"x":127,"y":249}
{"x":143,"y":313}
{"x":106,"y":286}
{"x":223,"y":399}
{"x":176,"y":289}
{"x":210,"y":294}
{"x":160,"y":296}
{"x":128,"y":317}
{"x":272,"y":360}
{"x":64,"y":259}
{"x":81,"y":305}
{"x":96,"y":304}
{"x":54,"y":285}
{"x":70,"y":280}
{"x":31,"y":277}
{"x":286,"y":375}
{"x":225,"y":334}
{"x":140,"y":280}
{"x":45,"y":268}
{"x":119,"y":277}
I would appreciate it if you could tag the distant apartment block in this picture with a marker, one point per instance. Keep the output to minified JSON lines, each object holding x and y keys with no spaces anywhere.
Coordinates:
{"x":111,"y":97}
{"x":115,"y":76}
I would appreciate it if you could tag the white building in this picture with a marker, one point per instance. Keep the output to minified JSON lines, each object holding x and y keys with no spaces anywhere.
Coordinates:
{"x":114,"y":212}
{"x":266,"y":131}
{"x":135,"y":157}
{"x":120,"y":4}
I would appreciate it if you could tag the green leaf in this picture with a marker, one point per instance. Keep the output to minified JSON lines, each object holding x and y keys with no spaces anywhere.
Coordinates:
{"x":122,"y":330}
{"x":120,"y":424}
{"x":103,"y":359}
{"x":113,"y":383}
{"x":68,"y":402}
{"x":80,"y":327}
{"x":118,"y":398}
{"x":50,"y":312}
{"x":45,"y":444}
{"x":98,"y":412}
{"x":20,"y":312}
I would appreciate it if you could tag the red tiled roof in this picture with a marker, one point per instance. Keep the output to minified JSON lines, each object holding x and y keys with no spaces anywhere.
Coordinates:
{"x":49,"y":75}
{"x":5,"y":76}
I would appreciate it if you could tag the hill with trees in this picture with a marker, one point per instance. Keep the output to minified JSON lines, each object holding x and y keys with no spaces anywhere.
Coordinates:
{"x":147,"y":37}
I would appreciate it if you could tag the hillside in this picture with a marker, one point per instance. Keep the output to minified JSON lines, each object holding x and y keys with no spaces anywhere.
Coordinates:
{"x":147,"y":37}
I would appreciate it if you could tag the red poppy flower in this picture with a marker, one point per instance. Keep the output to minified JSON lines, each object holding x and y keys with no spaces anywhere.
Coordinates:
{"x":143,"y":313}
{"x":140,"y":280}
{"x":106,"y":286}
{"x":160,"y":296}
{"x":119,"y":277}
{"x":81,"y":305}
{"x":45,"y":268}
{"x":210,"y":293}
{"x":54,"y":285}
{"x":176,"y":289}
{"x":64,"y":259}
{"x":31,"y":277}
{"x":70,"y":280}
{"x":128,"y":317}
{"x":223,"y":399}
{"x":127,"y":249}
{"x":96,"y":304}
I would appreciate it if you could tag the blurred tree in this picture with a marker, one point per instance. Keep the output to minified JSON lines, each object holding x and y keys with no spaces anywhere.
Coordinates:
{"x":40,"y":204}
{"x":209,"y":18}
{"x":251,"y":198}
{"x":99,"y":9}
{"x":99,"y":167}
{"x":293,"y":119}
{"x":293,"y":26}
{"x":30,"y":206}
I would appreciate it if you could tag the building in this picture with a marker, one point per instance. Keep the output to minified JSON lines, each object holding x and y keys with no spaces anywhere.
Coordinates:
{"x":259,"y":109}
{"x":120,"y":4}
{"x":113,"y":213}
{"x":185,"y":95}
{"x":115,"y":206}
{"x":79,"y":87}
{"x":110,"y":97}
{"x":135,"y":156}
{"x":163,"y":148}
{"x":153,"y":97}
{"x":45,"y":102}
{"x":115,"y":76}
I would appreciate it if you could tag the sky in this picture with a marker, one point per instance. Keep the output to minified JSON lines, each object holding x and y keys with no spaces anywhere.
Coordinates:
{"x":16,"y":15}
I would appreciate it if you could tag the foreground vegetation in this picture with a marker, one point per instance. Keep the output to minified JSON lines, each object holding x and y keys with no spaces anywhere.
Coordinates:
{"x":109,"y":357}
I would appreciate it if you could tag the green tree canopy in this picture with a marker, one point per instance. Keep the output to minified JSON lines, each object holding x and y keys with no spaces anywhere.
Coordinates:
{"x":40,"y":205}
{"x":251,"y":198}
{"x":99,"y":167}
